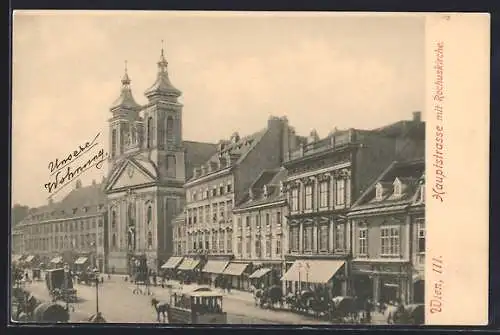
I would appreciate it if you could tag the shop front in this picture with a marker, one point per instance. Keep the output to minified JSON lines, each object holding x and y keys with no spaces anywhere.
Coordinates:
{"x":266,"y":274}
{"x":56,"y":262}
{"x":189,"y":270}
{"x":169,"y":268}
{"x":212,"y":272}
{"x":383,"y":282}
{"x":237,"y":274}
{"x":327,"y":275}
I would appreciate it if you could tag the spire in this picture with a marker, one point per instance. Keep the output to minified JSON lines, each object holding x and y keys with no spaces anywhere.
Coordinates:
{"x":125,"y":100}
{"x":162,"y":86}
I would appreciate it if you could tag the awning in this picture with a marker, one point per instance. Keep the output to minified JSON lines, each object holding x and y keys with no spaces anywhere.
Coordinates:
{"x":16,"y":258}
{"x":313,"y":271}
{"x":56,"y":260}
{"x":29,"y":258}
{"x":188,"y":264}
{"x":259,"y":273}
{"x":172,"y":262}
{"x":215,"y":266}
{"x":80,"y":260}
{"x":235,"y":269}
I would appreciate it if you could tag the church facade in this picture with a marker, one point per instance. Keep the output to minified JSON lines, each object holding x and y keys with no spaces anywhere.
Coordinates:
{"x":148,"y":165}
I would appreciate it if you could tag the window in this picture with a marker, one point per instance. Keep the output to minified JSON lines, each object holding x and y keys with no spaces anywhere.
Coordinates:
{"x":421,"y":236}
{"x":339,"y":237}
{"x":228,"y":187}
{"x":113,"y":143}
{"x":363,"y":241}
{"x":149,"y":140}
{"x":221,"y":242}
{"x":308,"y":238}
{"x":171,"y":166}
{"x":268,"y":247}
{"x":294,"y":200}
{"x":214,"y":192}
{"x":340,"y":192}
{"x":323,"y":194}
{"x":278,"y":247}
{"x":113,"y":219}
{"x":221,"y":190}
{"x":268,"y":220}
{"x":239,"y":246}
{"x":150,"y":240}
{"x":294,"y":238}
{"x":258,"y":253}
{"x":247,"y":224}
{"x":390,"y":241}
{"x":149,"y":215}
{"x":323,"y":238}
{"x":248,"y":247}
{"x":170,"y":129}
{"x":309,"y":197}
{"x":214,"y":241}
{"x":113,"y":241}
{"x":379,"y":192}
{"x":207,"y":245}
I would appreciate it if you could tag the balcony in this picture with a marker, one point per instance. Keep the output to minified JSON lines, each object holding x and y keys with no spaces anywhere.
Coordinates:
{"x":335,"y":141}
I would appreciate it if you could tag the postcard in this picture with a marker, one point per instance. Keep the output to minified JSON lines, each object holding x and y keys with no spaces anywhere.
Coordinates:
{"x":250,"y":168}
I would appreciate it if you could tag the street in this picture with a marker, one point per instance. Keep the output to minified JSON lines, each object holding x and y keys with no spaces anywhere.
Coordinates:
{"x":118,"y":304}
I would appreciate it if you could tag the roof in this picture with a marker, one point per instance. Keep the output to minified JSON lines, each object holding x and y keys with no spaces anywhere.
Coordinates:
{"x":125,"y":100}
{"x":236,"y":150}
{"x":405,"y":128}
{"x":81,"y":201}
{"x":162,"y":85}
{"x":270,"y":178}
{"x":197,"y":153}
{"x":410,"y":172}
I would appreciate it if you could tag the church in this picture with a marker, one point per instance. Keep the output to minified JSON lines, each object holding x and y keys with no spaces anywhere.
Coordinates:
{"x":149,"y":162}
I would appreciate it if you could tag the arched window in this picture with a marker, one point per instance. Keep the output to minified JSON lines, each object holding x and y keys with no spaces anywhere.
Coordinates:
{"x":113,"y":219}
{"x":113,"y":143}
{"x":170,"y":129}
{"x":149,"y":141}
{"x":149,"y":215}
{"x":150,"y":240}
{"x":113,"y":241}
{"x":171,"y":166}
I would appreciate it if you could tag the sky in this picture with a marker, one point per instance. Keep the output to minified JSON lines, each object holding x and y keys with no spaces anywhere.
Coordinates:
{"x":234,"y":69}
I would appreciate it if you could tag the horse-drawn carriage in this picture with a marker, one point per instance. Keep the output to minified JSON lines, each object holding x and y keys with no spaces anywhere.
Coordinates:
{"x":60,"y":285}
{"x":88,"y":277}
{"x":26,"y":308}
{"x":413,"y":314}
{"x":198,"y":307}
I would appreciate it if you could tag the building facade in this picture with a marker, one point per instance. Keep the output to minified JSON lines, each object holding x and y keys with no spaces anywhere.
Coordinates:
{"x":147,"y":170}
{"x":62,"y":232}
{"x":388,"y":236}
{"x":324,"y":177}
{"x":260,"y":234}
{"x":219,"y":183}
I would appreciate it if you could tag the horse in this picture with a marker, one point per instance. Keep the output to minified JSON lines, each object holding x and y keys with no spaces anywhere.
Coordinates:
{"x":160,"y":308}
{"x":392,"y":313}
{"x":271,"y":296}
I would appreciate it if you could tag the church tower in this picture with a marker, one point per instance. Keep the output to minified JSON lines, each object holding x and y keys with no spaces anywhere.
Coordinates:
{"x":125,"y":125}
{"x":163,"y":126}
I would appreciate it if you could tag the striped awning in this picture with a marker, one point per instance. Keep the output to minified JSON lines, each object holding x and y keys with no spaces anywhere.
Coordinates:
{"x":215,"y":266}
{"x":188,"y":264}
{"x":313,"y":271}
{"x":235,"y":269}
{"x":172,"y":262}
{"x":29,"y":258}
{"x":80,"y":260}
{"x":56,"y":260}
{"x":259,"y":273}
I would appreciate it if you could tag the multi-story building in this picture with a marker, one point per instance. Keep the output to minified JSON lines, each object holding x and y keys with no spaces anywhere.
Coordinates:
{"x":388,"y":240}
{"x":148,"y":165}
{"x":68,"y":231}
{"x":260,"y":234}
{"x":324,"y":177}
{"x":219,"y":183}
{"x":17,"y":243}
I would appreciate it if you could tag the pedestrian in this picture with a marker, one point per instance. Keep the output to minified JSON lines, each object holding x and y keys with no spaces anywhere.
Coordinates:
{"x":154,"y":279}
{"x":368,"y":310}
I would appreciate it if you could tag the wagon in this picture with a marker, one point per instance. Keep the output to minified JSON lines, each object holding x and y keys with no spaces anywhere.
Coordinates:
{"x":202,"y":307}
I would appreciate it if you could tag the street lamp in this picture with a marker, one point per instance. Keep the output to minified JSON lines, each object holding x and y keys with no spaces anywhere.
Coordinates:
{"x":66,"y":284}
{"x":97,"y":317}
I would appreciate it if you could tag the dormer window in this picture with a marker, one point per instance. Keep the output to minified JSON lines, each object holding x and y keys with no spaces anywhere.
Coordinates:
{"x":398,"y":188}
{"x":75,"y":210}
{"x":266,"y":191}
{"x":422,"y":193}
{"x":379,"y":192}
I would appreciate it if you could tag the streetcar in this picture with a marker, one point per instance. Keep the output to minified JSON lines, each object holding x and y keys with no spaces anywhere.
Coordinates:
{"x":202,"y":307}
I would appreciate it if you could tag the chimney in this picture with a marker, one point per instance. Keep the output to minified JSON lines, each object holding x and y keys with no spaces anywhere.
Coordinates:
{"x":78,"y":184}
{"x":417,"y":116}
